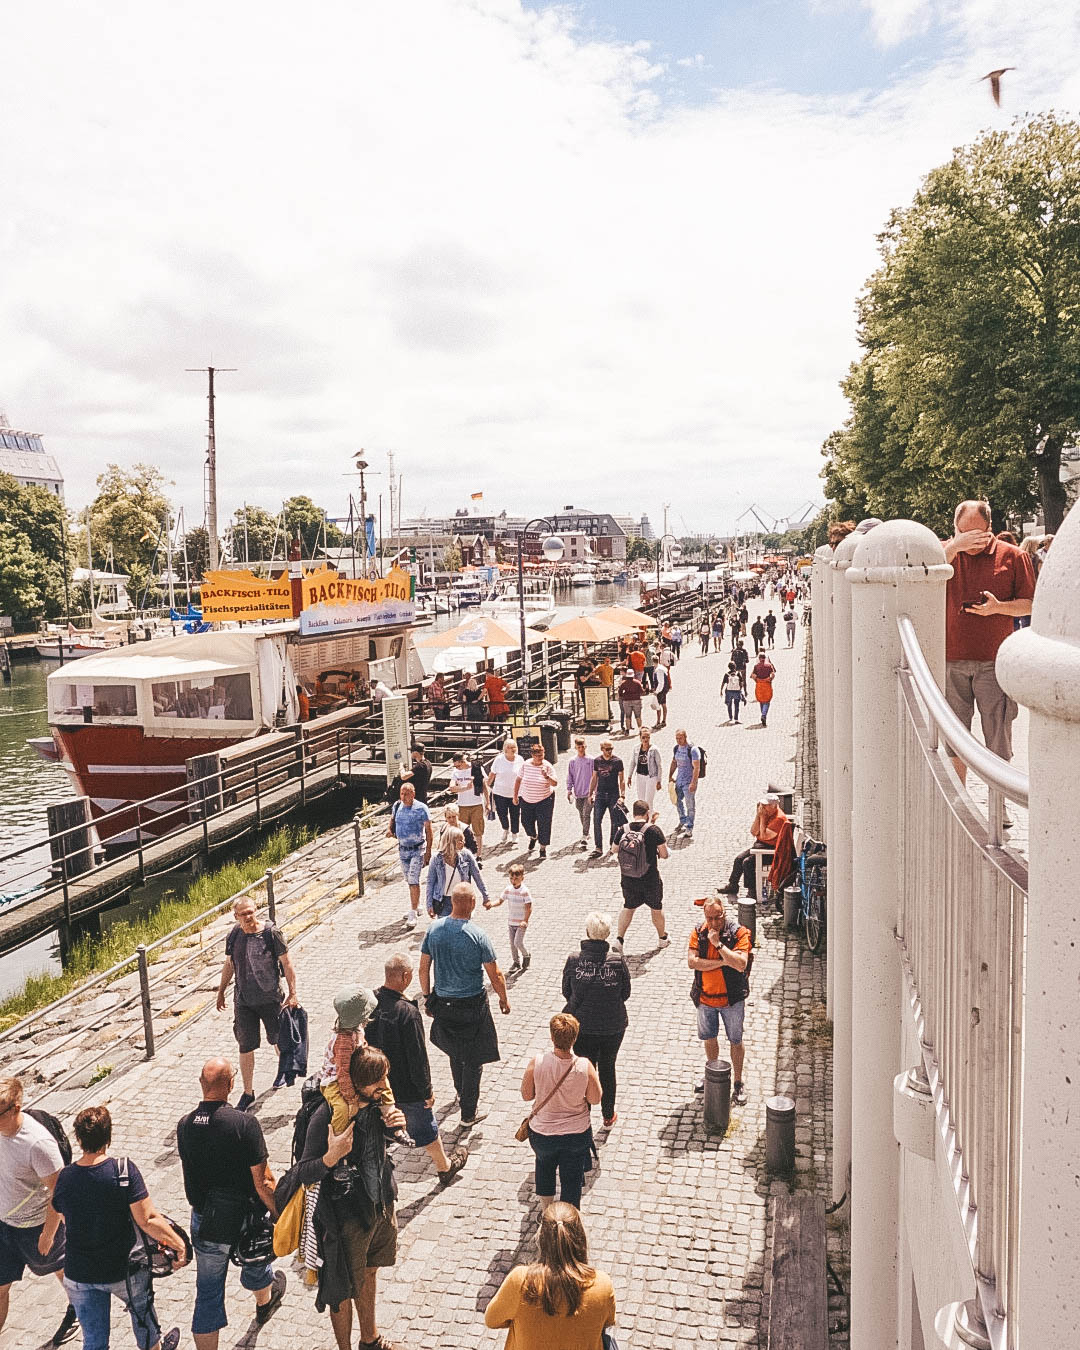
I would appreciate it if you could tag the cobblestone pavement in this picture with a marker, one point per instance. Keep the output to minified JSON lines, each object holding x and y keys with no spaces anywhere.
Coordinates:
{"x":679,"y":1217}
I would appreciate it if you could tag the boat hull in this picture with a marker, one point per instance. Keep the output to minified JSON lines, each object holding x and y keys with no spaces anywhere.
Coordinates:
{"x":117,"y":766}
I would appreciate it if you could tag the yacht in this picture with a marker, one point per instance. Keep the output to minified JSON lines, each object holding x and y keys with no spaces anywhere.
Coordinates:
{"x":539,"y":600}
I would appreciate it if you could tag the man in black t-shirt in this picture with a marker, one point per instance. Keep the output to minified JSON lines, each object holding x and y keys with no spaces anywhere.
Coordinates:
{"x":647,"y":889}
{"x":607,"y":788}
{"x":419,"y":775}
{"x":257,"y":954}
{"x":223,"y":1154}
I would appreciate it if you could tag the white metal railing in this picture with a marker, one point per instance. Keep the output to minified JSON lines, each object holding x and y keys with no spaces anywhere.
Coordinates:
{"x":962,"y":931}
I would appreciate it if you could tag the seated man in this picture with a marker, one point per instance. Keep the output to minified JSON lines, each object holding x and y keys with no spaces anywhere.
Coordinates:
{"x":767,"y":824}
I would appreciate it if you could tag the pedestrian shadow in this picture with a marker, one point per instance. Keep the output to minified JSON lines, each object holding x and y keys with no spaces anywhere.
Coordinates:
{"x":406,"y":1213}
{"x":506,"y":1258}
{"x":637,"y":965}
{"x":373,"y":936}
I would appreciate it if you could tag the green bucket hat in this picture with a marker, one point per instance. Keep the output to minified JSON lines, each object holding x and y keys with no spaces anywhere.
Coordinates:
{"x":354,"y":1005}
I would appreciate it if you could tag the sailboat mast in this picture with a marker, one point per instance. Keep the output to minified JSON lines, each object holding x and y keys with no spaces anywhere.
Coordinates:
{"x":211,"y":463}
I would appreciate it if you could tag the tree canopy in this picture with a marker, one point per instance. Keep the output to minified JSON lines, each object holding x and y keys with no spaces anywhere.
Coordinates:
{"x":303,"y":517}
{"x":32,"y":554}
{"x":128,"y":514}
{"x":969,"y":380}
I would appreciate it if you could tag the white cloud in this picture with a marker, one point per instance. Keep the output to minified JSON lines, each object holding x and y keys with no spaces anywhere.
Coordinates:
{"x":454,"y":229}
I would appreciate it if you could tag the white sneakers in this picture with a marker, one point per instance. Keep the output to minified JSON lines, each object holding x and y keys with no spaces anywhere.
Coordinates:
{"x":410,"y":918}
{"x":506,"y":836}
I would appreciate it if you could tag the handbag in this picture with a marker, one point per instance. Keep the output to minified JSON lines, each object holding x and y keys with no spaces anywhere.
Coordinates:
{"x":607,"y":1340}
{"x":522,"y":1132}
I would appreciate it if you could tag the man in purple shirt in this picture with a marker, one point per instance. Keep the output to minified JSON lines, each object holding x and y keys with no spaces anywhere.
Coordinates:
{"x":578,"y":781}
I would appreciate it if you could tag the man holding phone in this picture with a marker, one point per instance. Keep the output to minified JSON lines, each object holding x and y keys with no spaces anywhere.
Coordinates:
{"x":992,"y":583}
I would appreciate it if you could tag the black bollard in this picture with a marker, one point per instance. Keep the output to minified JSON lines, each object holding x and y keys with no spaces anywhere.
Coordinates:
{"x":780,"y":1134}
{"x":717,"y":1094}
{"x":748,"y":919}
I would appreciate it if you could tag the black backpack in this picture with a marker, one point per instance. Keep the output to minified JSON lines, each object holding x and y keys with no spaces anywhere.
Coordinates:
{"x":63,"y":1143}
{"x":311,"y":1099}
{"x":703,"y":759}
{"x":632,"y":854}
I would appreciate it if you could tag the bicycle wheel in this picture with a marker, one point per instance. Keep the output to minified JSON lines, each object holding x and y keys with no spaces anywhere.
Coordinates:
{"x":815,"y":914}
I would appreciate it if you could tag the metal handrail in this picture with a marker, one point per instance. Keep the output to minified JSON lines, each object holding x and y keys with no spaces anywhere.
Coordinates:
{"x":995,"y":772}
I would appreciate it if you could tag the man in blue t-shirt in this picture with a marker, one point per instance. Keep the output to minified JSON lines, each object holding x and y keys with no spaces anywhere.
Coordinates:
{"x":410,"y":825}
{"x":455,"y":997}
{"x":685,"y":765}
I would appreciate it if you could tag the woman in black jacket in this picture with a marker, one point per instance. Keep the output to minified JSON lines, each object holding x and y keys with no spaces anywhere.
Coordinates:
{"x":596,"y":985}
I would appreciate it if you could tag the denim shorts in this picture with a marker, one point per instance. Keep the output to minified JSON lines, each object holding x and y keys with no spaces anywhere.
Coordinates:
{"x":19,"y":1250}
{"x":412,"y":863}
{"x":93,"y":1308}
{"x":211,"y":1269}
{"x":420,"y":1123}
{"x":709,"y":1019}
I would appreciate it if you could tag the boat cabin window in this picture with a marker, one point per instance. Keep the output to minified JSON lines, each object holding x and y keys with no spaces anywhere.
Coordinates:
{"x":225,"y":698}
{"x":106,"y":700}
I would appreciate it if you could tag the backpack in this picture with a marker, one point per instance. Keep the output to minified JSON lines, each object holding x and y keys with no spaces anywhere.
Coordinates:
{"x":63,"y":1143}
{"x":632,"y":853}
{"x":147,"y":1253}
{"x":703,"y":759}
{"x":736,"y":982}
{"x":311,"y":1099}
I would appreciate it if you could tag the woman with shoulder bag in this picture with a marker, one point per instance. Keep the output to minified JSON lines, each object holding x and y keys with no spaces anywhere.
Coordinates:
{"x":564,"y":1086}
{"x":596,"y":985}
{"x":560,"y":1300}
{"x":453,"y":863}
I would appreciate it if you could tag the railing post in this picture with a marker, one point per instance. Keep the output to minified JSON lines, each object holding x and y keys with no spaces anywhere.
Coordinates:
{"x":840,"y":897}
{"x":823,"y":690}
{"x":359,"y":842}
{"x":898,"y":567}
{"x":1040,"y":668}
{"x":271,"y":903}
{"x":147,"y":1011}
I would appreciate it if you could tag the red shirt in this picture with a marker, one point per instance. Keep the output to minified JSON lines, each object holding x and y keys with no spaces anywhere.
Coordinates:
{"x":637,"y":660}
{"x":1006,"y":572}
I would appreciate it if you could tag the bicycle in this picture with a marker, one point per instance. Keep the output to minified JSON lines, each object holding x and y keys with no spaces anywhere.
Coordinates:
{"x":812,"y":868}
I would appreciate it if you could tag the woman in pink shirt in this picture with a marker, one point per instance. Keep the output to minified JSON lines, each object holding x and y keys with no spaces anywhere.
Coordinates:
{"x":564,"y":1086}
{"x":535,"y":790}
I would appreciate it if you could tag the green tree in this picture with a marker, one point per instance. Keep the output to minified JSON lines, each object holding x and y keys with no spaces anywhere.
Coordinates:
{"x":637,"y":548}
{"x":33,"y":558}
{"x":303,"y":517}
{"x":128,"y":515}
{"x":969,"y":382}
{"x":196,"y":548}
{"x":251,"y":534}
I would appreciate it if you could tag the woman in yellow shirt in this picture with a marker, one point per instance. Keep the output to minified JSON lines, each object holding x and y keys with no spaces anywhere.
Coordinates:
{"x":560,"y":1302}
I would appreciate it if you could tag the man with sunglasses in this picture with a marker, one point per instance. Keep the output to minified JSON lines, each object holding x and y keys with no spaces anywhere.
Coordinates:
{"x":607,"y":788}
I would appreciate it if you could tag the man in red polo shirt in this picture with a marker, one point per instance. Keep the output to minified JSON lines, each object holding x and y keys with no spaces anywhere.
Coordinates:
{"x":992,"y":583}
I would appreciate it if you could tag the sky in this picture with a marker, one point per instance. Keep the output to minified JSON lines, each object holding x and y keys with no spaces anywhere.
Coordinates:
{"x":603,"y":253}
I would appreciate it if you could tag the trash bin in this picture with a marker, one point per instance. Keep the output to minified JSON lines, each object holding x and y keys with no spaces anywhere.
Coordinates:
{"x":562,"y":716}
{"x":748,"y":919}
{"x":780,"y":1134}
{"x":717,"y":1094}
{"x":792,"y":905}
{"x":549,"y":734}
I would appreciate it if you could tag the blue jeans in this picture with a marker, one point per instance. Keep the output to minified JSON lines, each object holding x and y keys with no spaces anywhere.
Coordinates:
{"x":765,"y":708}
{"x":599,"y":807}
{"x":733,"y":699}
{"x":93,"y":1308}
{"x":686,"y":805}
{"x":211,"y":1268}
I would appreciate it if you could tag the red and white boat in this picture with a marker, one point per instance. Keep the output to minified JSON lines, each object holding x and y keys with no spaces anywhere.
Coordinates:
{"x":125,"y":721}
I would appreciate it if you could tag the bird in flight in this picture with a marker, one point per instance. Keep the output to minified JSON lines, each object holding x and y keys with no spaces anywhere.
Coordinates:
{"x":995,"y":82}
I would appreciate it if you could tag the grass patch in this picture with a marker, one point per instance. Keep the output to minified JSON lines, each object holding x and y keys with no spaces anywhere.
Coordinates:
{"x":102,"y":1071}
{"x":90,"y":956}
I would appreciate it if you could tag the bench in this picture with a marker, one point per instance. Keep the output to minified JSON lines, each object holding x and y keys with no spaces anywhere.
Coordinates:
{"x":799,"y":1304}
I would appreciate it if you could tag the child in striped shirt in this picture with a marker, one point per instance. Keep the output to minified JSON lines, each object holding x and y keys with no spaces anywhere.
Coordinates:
{"x":518,"y":903}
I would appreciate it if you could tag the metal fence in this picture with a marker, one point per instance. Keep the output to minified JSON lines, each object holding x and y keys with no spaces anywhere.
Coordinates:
{"x":962,"y":930}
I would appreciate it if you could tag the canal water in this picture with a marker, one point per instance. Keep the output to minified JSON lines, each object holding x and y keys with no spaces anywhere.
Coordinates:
{"x":30,"y":784}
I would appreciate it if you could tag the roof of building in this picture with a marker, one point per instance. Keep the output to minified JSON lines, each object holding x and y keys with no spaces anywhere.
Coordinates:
{"x":29,"y":464}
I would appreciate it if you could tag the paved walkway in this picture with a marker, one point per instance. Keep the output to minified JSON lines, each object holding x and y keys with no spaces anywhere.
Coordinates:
{"x":678,"y":1217}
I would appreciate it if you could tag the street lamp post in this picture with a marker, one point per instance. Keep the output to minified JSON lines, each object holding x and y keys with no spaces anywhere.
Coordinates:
{"x":553,"y":551}
{"x":659,"y":553}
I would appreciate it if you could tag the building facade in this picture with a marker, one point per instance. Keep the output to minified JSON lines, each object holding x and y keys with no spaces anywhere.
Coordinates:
{"x":600,"y":529}
{"x":23,"y":456}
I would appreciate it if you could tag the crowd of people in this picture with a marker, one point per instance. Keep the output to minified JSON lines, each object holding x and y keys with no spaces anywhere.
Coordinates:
{"x":74,"y":1216}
